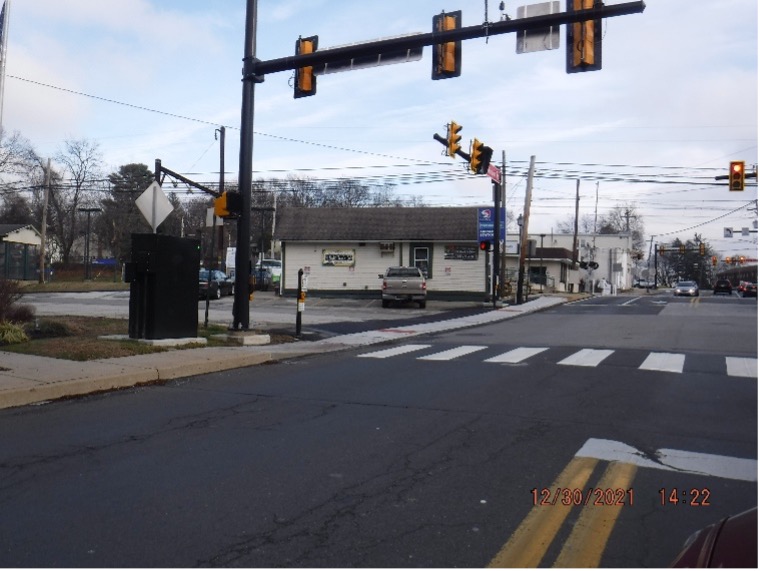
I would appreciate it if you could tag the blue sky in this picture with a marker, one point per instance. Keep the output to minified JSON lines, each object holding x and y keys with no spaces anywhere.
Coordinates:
{"x":677,"y":96}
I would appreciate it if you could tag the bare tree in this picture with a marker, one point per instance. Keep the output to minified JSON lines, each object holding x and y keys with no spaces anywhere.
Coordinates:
{"x":16,"y":154}
{"x":81,"y":172}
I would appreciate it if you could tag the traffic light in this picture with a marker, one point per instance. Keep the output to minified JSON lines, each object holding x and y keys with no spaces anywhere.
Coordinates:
{"x":305,"y":82}
{"x":480,"y":157}
{"x":447,"y":57}
{"x":485,"y":245}
{"x":736,"y":175}
{"x":701,"y":249}
{"x":584,"y":39}
{"x":715,"y":260}
{"x":662,"y":250}
{"x":453,"y":137}
{"x":228,"y":205}
{"x":682,"y":248}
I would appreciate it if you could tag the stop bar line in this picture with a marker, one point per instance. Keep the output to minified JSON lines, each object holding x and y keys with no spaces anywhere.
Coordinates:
{"x":729,"y":467}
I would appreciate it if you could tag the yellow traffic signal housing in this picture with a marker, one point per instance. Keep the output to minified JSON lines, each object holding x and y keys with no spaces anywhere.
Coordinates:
{"x":220,"y":206}
{"x":453,"y":139}
{"x":480,"y":157}
{"x":305,"y":81}
{"x":662,"y":250}
{"x":701,"y":249}
{"x":228,"y":205}
{"x":681,"y":248}
{"x":584,"y":39}
{"x":736,"y":175}
{"x":447,"y":57}
{"x":715,"y":260}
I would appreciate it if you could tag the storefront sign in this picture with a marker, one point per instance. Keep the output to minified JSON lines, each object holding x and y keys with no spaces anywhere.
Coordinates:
{"x":343,"y":258}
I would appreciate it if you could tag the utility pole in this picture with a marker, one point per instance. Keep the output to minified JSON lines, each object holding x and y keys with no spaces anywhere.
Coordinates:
{"x":575,"y":228}
{"x":524,"y":237}
{"x":43,"y":229}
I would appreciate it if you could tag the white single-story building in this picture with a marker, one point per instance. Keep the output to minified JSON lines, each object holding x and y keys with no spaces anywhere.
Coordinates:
{"x":342,"y":250}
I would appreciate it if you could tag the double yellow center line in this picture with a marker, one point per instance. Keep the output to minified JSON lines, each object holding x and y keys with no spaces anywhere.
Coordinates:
{"x":585,"y":545}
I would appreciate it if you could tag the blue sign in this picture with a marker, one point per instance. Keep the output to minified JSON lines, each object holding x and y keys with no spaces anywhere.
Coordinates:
{"x":486,"y":220}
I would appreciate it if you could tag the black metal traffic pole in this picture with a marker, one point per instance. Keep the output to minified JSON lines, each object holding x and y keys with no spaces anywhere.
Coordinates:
{"x":496,"y":294}
{"x":240,"y":308}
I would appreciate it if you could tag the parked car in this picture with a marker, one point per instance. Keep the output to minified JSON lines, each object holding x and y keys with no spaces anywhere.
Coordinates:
{"x":218,"y":285}
{"x":403,"y":283}
{"x":268,"y":272}
{"x":749,"y":289}
{"x":686,"y":288}
{"x":722,"y":286}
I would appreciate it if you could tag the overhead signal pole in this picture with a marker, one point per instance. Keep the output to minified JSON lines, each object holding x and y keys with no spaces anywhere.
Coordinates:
{"x":446,"y":30}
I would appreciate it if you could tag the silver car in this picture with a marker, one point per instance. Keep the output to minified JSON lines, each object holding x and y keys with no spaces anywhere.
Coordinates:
{"x":689,"y":288}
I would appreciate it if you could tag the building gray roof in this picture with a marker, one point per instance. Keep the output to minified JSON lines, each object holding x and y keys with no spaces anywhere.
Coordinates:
{"x":377,"y":224}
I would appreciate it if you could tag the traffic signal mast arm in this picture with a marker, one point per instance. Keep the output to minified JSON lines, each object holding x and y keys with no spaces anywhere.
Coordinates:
{"x":445,"y":143}
{"x":257,"y":69}
{"x":165,"y":171}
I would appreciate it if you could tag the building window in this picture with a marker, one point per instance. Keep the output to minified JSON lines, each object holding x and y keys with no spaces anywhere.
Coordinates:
{"x":421,"y":256}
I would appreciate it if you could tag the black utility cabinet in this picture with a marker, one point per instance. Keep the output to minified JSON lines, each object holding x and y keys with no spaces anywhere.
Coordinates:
{"x":163,"y":292}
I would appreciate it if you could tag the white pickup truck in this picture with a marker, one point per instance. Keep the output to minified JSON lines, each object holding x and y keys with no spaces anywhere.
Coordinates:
{"x":402,"y":283}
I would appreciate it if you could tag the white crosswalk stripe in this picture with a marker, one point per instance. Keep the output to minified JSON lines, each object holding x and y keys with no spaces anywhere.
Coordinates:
{"x":517,"y":355}
{"x":741,"y":367}
{"x":655,"y":361}
{"x":450,"y":354}
{"x":587,"y":357}
{"x":394,"y":351}
{"x":669,"y":362}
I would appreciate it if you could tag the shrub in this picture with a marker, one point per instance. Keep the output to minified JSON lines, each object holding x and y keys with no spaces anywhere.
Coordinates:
{"x":10,"y":293}
{"x":42,"y":329}
{"x":20,"y":313}
{"x":11,"y":333}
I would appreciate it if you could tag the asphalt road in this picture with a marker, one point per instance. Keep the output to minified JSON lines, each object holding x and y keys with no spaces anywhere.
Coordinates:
{"x":431,"y":454}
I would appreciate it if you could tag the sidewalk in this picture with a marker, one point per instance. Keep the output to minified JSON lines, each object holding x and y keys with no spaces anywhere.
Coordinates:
{"x":27,"y":379}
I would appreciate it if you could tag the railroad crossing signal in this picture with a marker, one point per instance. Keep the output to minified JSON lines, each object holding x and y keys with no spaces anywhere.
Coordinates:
{"x":736,"y":175}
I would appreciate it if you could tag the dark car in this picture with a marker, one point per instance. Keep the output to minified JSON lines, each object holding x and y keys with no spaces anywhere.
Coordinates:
{"x":749,"y":289}
{"x":722,"y":286}
{"x":220,"y":284}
